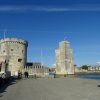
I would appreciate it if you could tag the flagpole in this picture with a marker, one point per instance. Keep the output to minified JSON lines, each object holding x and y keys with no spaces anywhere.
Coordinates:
{"x":4,"y":33}
{"x":41,"y":57}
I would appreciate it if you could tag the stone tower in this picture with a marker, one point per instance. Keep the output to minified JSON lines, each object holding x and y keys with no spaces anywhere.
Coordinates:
{"x":64,"y":59}
{"x":14,"y":53}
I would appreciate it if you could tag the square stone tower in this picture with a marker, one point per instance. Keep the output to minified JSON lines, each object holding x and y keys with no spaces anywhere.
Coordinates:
{"x":64,"y":59}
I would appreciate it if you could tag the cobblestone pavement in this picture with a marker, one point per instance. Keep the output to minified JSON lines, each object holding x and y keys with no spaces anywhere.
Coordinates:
{"x":52,"y":89}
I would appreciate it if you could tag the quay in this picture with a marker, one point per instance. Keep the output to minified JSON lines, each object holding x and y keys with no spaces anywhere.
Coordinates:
{"x":51,"y":89}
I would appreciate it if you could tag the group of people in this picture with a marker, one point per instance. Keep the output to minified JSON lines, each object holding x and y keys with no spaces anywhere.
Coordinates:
{"x":25,"y":74}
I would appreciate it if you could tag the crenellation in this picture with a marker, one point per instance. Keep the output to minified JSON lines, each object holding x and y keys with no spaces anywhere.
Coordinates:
{"x":14,"y":40}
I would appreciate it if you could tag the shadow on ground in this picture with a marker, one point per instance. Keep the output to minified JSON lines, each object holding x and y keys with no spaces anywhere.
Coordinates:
{"x":9,"y":83}
{"x":98,"y":85}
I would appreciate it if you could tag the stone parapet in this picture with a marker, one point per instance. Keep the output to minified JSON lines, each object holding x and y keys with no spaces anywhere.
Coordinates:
{"x":14,"y":40}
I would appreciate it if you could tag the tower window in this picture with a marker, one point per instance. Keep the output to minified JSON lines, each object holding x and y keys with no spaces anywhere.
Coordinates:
{"x":19,"y":60}
{"x":22,"y":51}
{"x":12,"y":49}
{"x":3,"y":50}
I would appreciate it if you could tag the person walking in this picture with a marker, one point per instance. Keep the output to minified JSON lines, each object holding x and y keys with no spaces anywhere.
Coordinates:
{"x":26,"y":74}
{"x":19,"y":75}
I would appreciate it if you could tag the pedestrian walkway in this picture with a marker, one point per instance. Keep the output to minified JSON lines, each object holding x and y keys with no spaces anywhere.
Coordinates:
{"x":52,"y":89}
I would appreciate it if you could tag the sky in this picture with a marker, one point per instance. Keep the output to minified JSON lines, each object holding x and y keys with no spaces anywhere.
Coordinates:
{"x":44,"y":23}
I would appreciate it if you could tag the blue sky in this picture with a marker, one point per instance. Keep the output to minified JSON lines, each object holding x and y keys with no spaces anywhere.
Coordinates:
{"x":43,"y":23}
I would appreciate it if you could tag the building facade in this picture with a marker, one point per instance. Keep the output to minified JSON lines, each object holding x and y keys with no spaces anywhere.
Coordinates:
{"x":94,"y":68}
{"x":13,"y":51}
{"x":64,"y":59}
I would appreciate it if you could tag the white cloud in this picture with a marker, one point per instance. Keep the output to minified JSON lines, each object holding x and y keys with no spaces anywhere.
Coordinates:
{"x":98,"y":62}
{"x":32,"y":8}
{"x":47,"y":9}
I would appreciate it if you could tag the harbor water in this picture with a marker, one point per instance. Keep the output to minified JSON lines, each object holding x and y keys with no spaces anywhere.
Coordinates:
{"x":90,"y":76}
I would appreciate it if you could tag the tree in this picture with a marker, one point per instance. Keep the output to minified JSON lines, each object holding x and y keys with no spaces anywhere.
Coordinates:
{"x":85,"y":67}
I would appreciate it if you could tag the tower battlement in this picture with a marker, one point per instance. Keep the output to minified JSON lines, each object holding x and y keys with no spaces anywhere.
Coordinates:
{"x":14,"y":40}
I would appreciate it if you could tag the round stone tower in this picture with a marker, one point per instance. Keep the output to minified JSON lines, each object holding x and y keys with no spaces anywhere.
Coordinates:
{"x":14,"y":51}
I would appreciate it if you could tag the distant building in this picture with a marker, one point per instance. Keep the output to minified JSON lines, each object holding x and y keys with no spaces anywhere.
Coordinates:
{"x":94,"y":68}
{"x":78,"y":69}
{"x":64,"y":59}
{"x":13,"y":54}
